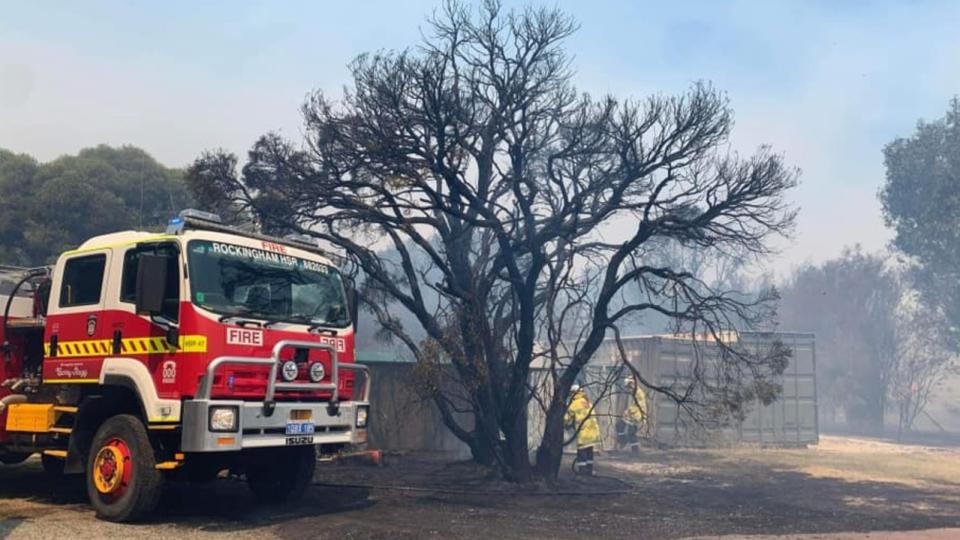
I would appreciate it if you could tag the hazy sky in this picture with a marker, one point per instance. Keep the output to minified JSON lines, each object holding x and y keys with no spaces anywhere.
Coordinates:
{"x":827,"y":83}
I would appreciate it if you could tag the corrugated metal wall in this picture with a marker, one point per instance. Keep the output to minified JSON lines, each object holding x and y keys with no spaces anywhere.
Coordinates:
{"x":400,"y":420}
{"x":669,"y":362}
{"x":792,"y":419}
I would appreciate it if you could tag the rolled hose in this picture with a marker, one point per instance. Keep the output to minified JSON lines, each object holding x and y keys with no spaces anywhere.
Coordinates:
{"x":10,"y":400}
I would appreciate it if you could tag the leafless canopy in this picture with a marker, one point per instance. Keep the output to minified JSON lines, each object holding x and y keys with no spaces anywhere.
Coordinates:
{"x":517,"y":213}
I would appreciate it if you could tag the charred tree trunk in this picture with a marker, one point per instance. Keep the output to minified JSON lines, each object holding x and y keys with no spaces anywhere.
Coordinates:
{"x":550,"y":451}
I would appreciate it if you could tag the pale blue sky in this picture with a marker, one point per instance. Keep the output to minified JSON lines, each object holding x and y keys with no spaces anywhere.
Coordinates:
{"x":827,"y":83}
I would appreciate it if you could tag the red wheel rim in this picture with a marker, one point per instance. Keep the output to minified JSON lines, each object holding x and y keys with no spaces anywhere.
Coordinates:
{"x":112,"y":469}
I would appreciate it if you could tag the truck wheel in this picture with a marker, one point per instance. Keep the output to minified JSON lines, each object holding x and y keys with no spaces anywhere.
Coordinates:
{"x":122,"y":480}
{"x":281,"y":475}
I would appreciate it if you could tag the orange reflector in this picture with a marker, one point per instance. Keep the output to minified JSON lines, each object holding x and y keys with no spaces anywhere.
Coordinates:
{"x":361,"y":435}
{"x":226,"y":441}
{"x":178,"y":456}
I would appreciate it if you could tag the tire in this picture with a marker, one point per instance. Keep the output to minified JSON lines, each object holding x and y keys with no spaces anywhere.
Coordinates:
{"x":123,"y":483}
{"x":281,"y":475}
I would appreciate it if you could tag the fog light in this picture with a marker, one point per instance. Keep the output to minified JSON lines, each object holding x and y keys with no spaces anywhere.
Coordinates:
{"x":362,"y":417}
{"x":317,"y":372}
{"x":289,"y":370}
{"x":223,"y":419}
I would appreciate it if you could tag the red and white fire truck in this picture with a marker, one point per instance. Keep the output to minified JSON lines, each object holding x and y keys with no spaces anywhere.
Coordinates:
{"x":140,"y":357}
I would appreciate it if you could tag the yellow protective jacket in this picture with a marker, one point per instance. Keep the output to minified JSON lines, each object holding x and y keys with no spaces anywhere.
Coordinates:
{"x":637,"y":410}
{"x":580,"y":416}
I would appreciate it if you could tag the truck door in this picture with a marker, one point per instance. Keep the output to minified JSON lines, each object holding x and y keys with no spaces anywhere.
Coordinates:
{"x":75,"y":333}
{"x":143,"y":336}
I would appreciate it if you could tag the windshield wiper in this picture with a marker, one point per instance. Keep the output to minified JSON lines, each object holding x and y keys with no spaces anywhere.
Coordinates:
{"x":237,"y":319}
{"x":314,"y":326}
{"x":245,"y":318}
{"x":317,"y":328}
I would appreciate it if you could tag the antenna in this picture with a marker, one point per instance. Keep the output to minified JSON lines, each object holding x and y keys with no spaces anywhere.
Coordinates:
{"x":140,"y":214}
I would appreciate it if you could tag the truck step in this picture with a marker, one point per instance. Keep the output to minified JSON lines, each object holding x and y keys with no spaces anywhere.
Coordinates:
{"x":57,"y":429}
{"x":65,"y":409}
{"x":55,"y":453}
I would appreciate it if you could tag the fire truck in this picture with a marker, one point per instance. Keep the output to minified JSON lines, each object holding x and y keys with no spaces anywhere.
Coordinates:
{"x":142,"y":357}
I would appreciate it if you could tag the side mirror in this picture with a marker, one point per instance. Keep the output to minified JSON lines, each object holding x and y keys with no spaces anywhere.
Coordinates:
{"x":151,"y":284}
{"x":173,"y":336}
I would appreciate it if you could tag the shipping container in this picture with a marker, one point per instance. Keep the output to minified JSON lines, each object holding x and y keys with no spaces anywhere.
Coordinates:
{"x":672,"y":363}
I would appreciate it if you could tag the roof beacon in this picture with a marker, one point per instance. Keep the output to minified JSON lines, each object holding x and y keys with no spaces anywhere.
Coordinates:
{"x":175,"y":225}
{"x":192,"y":213}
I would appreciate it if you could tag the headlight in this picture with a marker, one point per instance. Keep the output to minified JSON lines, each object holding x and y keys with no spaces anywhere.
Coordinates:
{"x":289,"y":370}
{"x":223,"y":418}
{"x":362,"y":417}
{"x":317,"y":372}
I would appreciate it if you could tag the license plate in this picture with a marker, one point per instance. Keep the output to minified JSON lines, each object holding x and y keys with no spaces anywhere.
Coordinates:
{"x":300,"y":428}
{"x":303,"y":439}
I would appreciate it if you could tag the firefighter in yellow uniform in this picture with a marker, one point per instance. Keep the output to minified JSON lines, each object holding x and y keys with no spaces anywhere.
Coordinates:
{"x":634,"y":419}
{"x":580,"y":418}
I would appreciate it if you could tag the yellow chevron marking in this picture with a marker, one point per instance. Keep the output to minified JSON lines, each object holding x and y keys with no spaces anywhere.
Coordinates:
{"x":148,"y":345}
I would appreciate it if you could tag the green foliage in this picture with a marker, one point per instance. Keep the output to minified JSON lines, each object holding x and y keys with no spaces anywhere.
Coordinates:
{"x":16,"y":174}
{"x":921,"y":201}
{"x":51,"y":207}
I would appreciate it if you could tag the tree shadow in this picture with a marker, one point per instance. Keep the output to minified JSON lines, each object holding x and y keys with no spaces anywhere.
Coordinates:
{"x":28,"y":482}
{"x":228,"y":505}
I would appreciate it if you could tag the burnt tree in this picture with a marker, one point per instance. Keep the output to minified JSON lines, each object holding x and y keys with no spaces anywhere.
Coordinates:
{"x":516,"y":212}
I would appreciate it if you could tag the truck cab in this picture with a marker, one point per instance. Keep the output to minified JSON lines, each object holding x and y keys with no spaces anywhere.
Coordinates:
{"x":185,"y":353}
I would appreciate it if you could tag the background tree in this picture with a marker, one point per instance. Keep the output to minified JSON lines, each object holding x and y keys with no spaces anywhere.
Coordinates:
{"x":16,"y":183}
{"x":850,"y":303}
{"x":51,"y":207}
{"x":926,"y":355}
{"x":205,"y":181}
{"x":921,"y":202}
{"x":515,"y":199}
{"x":880,"y":345}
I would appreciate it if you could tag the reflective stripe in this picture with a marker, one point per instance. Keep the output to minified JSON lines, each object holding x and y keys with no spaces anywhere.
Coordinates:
{"x":147,"y":345}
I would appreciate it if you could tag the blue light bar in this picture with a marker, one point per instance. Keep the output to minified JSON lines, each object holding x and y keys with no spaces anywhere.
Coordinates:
{"x":175,"y":226}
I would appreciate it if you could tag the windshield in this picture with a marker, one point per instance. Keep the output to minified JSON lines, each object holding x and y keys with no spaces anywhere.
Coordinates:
{"x":249,"y":282}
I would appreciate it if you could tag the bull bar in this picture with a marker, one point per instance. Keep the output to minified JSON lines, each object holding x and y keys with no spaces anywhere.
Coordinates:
{"x":261,"y":424}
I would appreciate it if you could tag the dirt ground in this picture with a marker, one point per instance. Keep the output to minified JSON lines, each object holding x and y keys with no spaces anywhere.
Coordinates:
{"x":843,"y":488}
